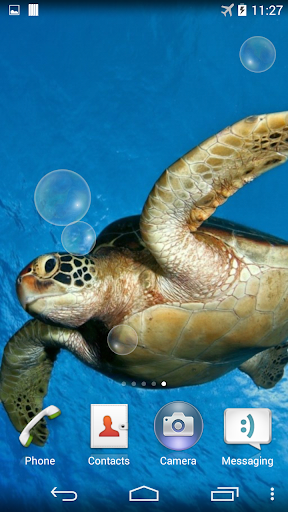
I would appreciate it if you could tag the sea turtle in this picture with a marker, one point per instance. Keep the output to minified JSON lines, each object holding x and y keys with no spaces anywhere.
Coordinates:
{"x":204,"y":297}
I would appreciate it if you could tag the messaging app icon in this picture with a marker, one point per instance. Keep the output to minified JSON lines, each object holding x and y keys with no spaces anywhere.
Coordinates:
{"x":248,"y":426}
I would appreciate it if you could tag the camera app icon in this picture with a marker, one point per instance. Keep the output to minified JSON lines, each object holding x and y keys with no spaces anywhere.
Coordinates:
{"x":178,"y":425}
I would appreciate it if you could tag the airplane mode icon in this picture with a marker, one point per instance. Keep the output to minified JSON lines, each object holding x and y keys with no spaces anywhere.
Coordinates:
{"x":228,"y":9}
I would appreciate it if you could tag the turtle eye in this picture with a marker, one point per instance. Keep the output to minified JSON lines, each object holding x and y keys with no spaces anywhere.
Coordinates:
{"x":46,"y":266}
{"x":50,"y":265}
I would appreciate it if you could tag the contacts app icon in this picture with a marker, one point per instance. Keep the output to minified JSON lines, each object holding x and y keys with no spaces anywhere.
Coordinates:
{"x":109,"y":431}
{"x":178,"y":425}
{"x":109,"y":426}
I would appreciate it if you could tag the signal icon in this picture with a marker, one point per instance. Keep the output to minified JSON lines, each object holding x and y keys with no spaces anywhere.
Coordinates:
{"x":251,"y":428}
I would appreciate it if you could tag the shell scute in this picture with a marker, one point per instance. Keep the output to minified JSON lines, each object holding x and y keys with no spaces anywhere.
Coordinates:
{"x":252,"y":286}
{"x":246,"y":334}
{"x":272,"y":289}
{"x":245,"y":305}
{"x":201,"y":330}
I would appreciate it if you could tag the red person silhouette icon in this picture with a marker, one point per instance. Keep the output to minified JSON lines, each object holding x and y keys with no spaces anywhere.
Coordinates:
{"x":108,"y":432}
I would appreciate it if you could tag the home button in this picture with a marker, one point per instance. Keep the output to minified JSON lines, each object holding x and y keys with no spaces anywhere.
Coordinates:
{"x":144,"y":493}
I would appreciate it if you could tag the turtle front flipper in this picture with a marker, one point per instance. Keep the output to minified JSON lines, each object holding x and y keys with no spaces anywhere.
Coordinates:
{"x":26,"y":369}
{"x":191,"y":189}
{"x":267,"y":367}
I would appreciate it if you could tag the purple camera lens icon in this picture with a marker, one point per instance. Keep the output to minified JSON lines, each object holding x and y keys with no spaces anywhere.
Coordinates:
{"x":178,"y":425}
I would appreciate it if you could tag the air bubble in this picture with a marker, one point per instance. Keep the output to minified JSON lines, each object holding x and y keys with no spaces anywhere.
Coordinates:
{"x":122,"y":339}
{"x":257,"y":54}
{"x":78,"y":238}
{"x":62,"y":197}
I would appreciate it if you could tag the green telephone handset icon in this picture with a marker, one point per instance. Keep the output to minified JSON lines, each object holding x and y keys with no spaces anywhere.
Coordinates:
{"x":25,"y":437}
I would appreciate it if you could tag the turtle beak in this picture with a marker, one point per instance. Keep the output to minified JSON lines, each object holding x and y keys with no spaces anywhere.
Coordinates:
{"x":29,"y":288}
{"x":21,"y":285}
{"x":24,"y":287}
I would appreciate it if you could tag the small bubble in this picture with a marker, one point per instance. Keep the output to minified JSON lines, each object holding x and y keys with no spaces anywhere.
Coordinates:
{"x":164,"y":383}
{"x":257,"y":54}
{"x":143,"y":383}
{"x":78,"y":238}
{"x":123,"y":383}
{"x":272,"y":499}
{"x":153,"y":383}
{"x":62,"y":197}
{"x":133,"y":383}
{"x":122,"y":339}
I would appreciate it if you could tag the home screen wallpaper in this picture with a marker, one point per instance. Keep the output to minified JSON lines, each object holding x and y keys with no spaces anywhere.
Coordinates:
{"x":109,"y":95}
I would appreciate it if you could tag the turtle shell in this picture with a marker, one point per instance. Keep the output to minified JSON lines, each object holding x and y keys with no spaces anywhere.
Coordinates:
{"x":123,"y":233}
{"x":185,"y":344}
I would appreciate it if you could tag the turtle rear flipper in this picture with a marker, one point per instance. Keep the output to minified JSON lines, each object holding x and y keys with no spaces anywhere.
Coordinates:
{"x":26,"y":369}
{"x":267,"y":367}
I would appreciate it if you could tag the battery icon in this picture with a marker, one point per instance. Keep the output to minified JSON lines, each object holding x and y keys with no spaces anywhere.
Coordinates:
{"x":242,"y":10}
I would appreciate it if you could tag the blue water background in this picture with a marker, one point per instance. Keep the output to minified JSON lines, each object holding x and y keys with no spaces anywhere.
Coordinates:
{"x":117,"y":94}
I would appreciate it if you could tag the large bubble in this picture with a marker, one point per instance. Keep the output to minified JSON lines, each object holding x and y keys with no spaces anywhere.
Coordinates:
{"x":62,"y":197}
{"x":78,"y":238}
{"x":257,"y":54}
{"x":122,"y":339}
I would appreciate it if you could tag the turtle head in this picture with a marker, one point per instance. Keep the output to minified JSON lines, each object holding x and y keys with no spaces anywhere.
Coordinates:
{"x":59,"y":288}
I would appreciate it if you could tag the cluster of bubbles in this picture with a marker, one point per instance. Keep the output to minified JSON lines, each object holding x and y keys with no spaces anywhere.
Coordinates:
{"x":257,"y":54}
{"x":62,"y":198}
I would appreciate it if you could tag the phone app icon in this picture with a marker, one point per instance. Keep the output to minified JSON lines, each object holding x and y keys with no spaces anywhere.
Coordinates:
{"x":248,"y":426}
{"x":109,"y":426}
{"x":26,"y":437}
{"x":178,"y":425}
